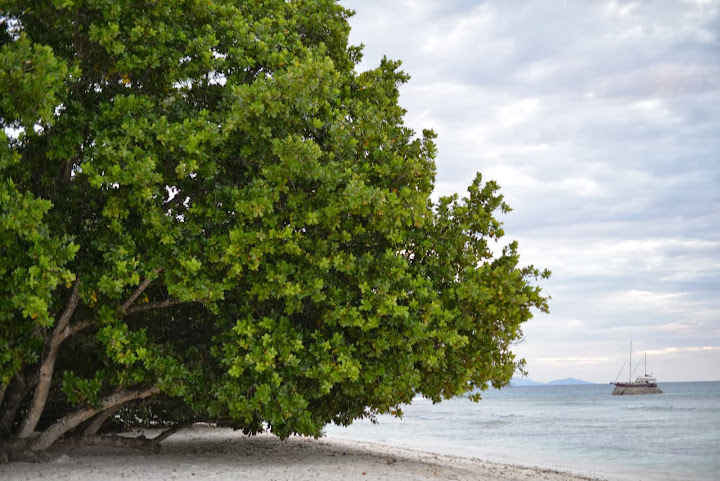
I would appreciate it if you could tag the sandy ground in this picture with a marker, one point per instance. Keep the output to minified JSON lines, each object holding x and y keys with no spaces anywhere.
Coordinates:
{"x":207,"y":453}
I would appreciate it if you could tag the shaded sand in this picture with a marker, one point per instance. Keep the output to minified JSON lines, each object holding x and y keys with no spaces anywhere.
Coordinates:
{"x":207,"y":453}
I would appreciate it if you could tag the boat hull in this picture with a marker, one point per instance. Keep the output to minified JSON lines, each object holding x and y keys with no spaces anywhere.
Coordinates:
{"x":628,"y":389}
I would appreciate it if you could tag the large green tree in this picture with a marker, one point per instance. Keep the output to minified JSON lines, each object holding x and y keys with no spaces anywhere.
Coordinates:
{"x":207,"y":214}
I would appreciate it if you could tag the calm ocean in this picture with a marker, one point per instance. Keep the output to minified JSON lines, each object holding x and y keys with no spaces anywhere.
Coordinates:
{"x":583,"y":429}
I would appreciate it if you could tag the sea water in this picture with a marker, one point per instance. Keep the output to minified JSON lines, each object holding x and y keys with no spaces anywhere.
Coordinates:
{"x":582,"y":429}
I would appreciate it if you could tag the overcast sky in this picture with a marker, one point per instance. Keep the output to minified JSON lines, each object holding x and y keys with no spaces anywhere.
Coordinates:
{"x":601,"y":122}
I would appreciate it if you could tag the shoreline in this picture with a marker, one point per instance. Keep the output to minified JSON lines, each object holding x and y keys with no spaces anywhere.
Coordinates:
{"x":209,"y":453}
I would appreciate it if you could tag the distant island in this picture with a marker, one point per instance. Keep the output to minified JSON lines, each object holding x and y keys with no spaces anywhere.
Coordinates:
{"x":570,"y":381}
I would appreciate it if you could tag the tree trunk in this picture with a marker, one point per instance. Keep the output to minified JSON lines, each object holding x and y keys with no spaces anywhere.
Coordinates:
{"x":59,"y":334}
{"x":99,"y":420}
{"x":111,"y":441}
{"x":169,"y":432}
{"x":71,"y":421}
{"x":14,"y":396}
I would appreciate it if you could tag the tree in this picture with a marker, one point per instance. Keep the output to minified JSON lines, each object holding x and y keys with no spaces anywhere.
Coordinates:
{"x":207,"y":214}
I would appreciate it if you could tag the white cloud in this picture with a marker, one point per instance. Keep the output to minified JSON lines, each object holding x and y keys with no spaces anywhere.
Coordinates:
{"x":564,"y":361}
{"x":517,"y":113}
{"x":676,"y":350}
{"x":654,"y":110}
{"x":599,"y":120}
{"x":620,"y":9}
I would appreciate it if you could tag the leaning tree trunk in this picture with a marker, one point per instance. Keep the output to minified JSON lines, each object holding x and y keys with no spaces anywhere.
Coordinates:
{"x":71,"y":421}
{"x":61,"y":332}
{"x":99,"y":420}
{"x":11,"y":403}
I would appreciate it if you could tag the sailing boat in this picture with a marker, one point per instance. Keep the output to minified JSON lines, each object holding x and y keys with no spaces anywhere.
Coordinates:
{"x":645,"y":384}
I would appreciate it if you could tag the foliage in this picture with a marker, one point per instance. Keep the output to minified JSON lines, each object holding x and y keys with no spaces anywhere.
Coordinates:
{"x":203,"y":205}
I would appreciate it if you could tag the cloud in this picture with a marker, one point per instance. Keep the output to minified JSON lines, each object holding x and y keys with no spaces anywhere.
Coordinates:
{"x":599,"y":120}
{"x":563,"y":361}
{"x":676,"y":350}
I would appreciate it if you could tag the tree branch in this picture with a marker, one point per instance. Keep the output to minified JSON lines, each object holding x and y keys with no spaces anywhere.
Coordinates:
{"x":48,"y":364}
{"x":72,"y":420}
{"x":74,"y":329}
{"x":69,"y":309}
{"x":99,"y":420}
{"x":140,"y":289}
{"x":169,"y":432}
{"x":154,"y":305}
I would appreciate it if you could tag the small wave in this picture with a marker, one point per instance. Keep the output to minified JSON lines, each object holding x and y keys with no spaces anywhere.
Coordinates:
{"x":502,"y":416}
{"x":698,"y":409}
{"x":650,"y":408}
{"x":497,"y":425}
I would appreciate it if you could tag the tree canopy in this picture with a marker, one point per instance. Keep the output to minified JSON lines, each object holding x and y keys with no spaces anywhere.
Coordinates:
{"x":207,"y":214}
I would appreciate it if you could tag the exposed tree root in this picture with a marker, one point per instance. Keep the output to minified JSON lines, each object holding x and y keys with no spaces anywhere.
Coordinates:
{"x":20,"y":450}
{"x":110,"y":441}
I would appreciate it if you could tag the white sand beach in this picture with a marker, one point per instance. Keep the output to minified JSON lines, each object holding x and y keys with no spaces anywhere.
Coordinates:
{"x":209,"y":453}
